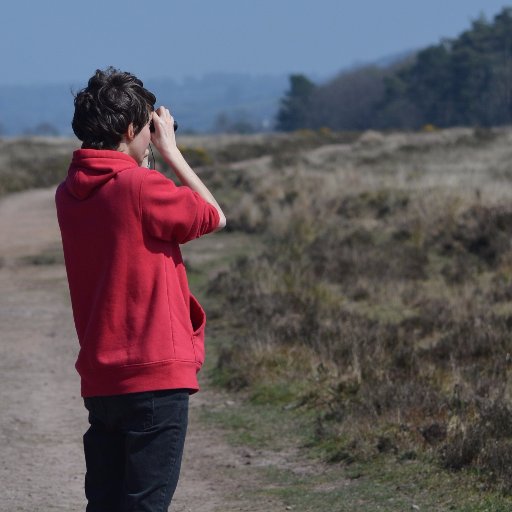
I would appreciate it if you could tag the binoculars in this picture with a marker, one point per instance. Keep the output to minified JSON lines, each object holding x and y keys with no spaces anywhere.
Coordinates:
{"x":152,"y":126}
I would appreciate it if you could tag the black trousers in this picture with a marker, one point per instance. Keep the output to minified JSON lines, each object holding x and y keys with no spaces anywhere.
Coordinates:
{"x":133,"y":450}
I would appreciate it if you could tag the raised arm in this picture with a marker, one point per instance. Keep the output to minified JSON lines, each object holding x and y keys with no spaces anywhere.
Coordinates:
{"x":164,"y":140}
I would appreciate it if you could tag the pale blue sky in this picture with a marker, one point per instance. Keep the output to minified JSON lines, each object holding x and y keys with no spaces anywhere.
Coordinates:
{"x":66,"y":40}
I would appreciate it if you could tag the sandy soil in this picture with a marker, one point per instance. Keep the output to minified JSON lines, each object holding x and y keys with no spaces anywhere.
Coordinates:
{"x":42,"y":416}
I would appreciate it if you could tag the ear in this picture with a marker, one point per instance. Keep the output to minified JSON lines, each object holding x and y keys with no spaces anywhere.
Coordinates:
{"x":130,"y":133}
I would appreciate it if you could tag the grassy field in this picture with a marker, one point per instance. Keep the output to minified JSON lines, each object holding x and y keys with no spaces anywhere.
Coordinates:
{"x":360,"y":307}
{"x":380,"y":301}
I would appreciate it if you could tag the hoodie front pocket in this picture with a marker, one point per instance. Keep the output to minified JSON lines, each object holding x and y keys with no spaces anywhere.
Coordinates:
{"x":198,"y":319}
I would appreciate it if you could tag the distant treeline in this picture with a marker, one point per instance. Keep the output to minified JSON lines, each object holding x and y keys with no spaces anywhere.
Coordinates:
{"x":464,"y":81}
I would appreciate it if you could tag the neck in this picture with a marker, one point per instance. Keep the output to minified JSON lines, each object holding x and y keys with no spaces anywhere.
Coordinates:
{"x":123,"y":147}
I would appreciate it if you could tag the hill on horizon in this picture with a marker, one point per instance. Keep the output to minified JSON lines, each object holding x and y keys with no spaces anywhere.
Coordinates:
{"x":211,"y":103}
{"x":199,"y":104}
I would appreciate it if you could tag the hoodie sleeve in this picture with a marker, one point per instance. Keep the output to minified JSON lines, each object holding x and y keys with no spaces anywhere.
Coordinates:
{"x":174,"y":213}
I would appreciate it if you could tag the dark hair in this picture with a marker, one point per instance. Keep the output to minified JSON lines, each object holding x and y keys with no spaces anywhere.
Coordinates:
{"x":105,"y":108}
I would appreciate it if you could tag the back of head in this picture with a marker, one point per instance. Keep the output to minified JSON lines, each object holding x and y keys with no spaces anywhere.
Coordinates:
{"x":105,"y":108}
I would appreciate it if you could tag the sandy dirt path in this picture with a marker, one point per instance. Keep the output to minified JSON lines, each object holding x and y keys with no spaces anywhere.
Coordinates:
{"x":42,"y":418}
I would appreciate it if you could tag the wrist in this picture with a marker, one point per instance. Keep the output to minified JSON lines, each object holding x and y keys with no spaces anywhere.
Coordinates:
{"x":171,"y":153}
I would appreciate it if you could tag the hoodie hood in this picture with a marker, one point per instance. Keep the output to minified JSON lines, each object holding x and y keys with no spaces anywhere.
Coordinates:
{"x":92,"y":168}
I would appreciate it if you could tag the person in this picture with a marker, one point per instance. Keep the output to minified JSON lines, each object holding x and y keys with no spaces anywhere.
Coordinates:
{"x":140,"y":330}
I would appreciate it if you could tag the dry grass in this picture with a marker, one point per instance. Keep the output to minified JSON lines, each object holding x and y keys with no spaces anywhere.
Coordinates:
{"x":33,"y":162}
{"x":382,"y":300}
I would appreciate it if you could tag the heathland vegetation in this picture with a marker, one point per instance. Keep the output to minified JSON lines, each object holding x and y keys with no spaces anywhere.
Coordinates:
{"x":373,"y":292}
{"x":380,"y":300}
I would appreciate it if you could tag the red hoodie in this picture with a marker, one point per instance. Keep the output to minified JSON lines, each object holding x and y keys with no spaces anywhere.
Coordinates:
{"x":138,"y":325}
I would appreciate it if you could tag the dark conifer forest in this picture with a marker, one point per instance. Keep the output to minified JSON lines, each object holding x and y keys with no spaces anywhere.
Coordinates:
{"x":462,"y":81}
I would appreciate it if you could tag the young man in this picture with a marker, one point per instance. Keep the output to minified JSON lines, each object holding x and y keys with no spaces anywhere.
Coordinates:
{"x":140,"y":329}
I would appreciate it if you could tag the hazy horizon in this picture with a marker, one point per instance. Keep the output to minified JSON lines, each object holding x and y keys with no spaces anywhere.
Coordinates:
{"x":171,"y":40}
